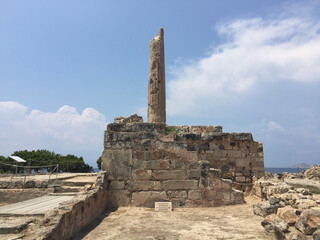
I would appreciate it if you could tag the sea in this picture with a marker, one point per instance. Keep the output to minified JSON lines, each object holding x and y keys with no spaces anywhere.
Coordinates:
{"x":282,"y":170}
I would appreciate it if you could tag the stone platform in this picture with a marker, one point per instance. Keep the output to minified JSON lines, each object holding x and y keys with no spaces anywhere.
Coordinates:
{"x":33,"y":207}
{"x":187,"y":165}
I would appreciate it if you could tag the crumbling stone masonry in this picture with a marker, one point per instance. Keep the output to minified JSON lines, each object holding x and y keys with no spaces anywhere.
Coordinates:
{"x":187,"y":165}
{"x":157,"y":87}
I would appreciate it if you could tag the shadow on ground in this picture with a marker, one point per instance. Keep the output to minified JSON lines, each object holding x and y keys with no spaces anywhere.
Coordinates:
{"x":85,"y":231}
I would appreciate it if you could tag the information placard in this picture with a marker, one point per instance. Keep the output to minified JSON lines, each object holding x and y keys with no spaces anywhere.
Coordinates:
{"x":163,"y":206}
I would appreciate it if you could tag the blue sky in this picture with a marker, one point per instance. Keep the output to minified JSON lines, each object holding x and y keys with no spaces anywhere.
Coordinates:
{"x":67,"y":68}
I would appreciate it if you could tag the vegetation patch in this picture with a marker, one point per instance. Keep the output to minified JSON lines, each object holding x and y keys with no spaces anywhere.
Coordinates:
{"x":36,"y":158}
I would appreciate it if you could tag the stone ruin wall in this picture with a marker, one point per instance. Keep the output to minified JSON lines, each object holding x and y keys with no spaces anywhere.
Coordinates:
{"x":187,"y":165}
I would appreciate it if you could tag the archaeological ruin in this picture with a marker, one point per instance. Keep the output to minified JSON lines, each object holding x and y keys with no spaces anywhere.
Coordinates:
{"x":148,"y":162}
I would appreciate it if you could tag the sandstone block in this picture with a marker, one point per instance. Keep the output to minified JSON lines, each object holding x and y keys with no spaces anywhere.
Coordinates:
{"x":177,"y":194}
{"x":141,"y":174}
{"x":178,"y":164}
{"x":273,"y":200}
{"x":169,"y":174}
{"x":307,"y":222}
{"x":264,"y":208}
{"x":275,"y":225}
{"x":241,"y":179}
{"x":273,"y":219}
{"x":180,"y":185}
{"x":237,"y":197}
{"x":147,"y":135}
{"x":241,"y":136}
{"x":157,"y":164}
{"x":316,"y":235}
{"x":138,"y":164}
{"x":119,"y":127}
{"x":126,"y":136}
{"x":171,"y":145}
{"x":205,"y":129}
{"x":145,"y":127}
{"x":117,"y":164}
{"x":147,"y":199}
{"x":126,"y":120}
{"x":213,"y":146}
{"x":117,"y":185}
{"x":144,"y":185}
{"x":220,"y":153}
{"x":194,"y":195}
{"x":288,"y":214}
{"x":296,"y":235}
{"x":234,"y":154}
{"x":148,"y":155}
{"x":118,"y":198}
{"x":194,"y":173}
{"x":303,"y":204}
{"x":109,"y":137}
{"x":168,"y":137}
{"x":258,"y":169}
{"x":243,"y":162}
{"x":146,"y":144}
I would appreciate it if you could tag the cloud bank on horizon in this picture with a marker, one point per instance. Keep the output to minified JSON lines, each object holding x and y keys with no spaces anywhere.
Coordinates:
{"x":65,"y":131}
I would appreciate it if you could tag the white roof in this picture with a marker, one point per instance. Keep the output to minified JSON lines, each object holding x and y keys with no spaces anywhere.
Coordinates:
{"x":18,"y":159}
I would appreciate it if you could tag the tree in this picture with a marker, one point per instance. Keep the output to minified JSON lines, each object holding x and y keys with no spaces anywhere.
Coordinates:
{"x":5,"y":168}
{"x":99,"y":163}
{"x":69,"y":163}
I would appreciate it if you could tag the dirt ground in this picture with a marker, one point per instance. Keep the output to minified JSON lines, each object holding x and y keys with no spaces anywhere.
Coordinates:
{"x":228,"y":222}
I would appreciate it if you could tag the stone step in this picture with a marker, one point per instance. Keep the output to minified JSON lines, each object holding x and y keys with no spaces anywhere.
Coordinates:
{"x":71,"y":183}
{"x":68,"y":189}
{"x":64,"y":194}
{"x":12,"y":226}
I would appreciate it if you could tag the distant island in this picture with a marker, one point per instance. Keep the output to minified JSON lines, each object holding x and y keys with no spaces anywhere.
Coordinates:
{"x":301,"y":165}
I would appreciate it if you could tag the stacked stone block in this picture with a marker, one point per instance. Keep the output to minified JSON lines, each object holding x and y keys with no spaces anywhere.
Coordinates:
{"x":149,"y":162}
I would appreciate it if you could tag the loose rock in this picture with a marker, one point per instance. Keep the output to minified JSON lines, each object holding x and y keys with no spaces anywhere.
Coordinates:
{"x":288,"y":214}
{"x":308,"y":220}
{"x":275,"y":225}
{"x":265,"y":208}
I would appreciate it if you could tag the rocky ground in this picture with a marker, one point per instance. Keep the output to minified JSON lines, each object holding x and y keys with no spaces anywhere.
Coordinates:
{"x":290,"y":204}
{"x":228,"y":222}
{"x":281,"y":206}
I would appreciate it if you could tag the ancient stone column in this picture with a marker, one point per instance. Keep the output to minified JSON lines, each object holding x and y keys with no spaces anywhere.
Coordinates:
{"x":157,"y":88}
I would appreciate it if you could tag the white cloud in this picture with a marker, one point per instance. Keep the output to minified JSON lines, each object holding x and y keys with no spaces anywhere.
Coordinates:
{"x":64,"y":131}
{"x":272,"y":126}
{"x":256,"y":50}
{"x":11,"y":110}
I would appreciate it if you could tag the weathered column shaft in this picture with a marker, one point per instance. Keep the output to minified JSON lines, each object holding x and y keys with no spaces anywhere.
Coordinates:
{"x":157,"y":88}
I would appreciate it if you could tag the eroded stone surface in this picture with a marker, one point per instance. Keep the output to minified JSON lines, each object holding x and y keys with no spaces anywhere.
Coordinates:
{"x":188,"y":163}
{"x":288,"y":214}
{"x":195,"y":159}
{"x":156,"y":89}
{"x":264,"y":209}
{"x":275,"y":226}
{"x":308,"y":220}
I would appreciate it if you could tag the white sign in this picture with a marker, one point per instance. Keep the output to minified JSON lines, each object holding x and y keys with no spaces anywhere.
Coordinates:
{"x":163,"y":206}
